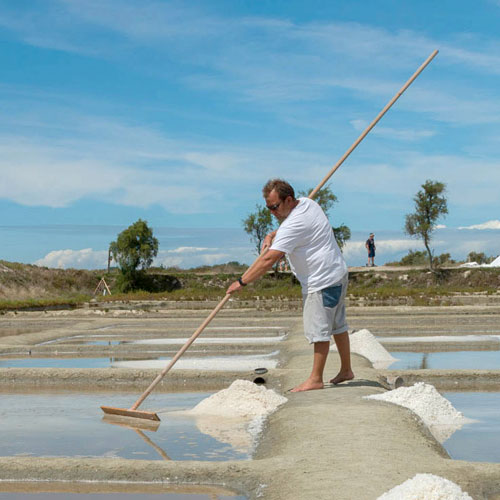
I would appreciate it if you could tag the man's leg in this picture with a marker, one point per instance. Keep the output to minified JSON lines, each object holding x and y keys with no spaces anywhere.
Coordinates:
{"x":315,"y":380}
{"x":344,"y":348}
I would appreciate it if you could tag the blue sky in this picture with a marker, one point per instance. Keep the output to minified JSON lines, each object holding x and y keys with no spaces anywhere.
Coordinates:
{"x":178,"y":112}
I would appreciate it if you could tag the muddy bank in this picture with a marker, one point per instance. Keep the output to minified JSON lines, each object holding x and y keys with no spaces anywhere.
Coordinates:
{"x":450,"y":380}
{"x":124,"y":379}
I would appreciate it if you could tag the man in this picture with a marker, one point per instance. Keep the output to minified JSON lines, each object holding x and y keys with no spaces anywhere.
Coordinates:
{"x":370,"y":246}
{"x":306,"y":236}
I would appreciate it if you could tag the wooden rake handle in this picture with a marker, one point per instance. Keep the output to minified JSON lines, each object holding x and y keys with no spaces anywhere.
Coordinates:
{"x":313,"y":193}
{"x":182,"y":350}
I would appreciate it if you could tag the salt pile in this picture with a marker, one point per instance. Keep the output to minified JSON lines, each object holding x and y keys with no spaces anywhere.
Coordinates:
{"x":426,"y":487}
{"x":241,"y":399}
{"x":435,"y":411}
{"x":363,"y":342}
{"x":237,"y":414}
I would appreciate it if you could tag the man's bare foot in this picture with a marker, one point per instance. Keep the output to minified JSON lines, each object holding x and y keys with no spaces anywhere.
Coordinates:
{"x":342,"y":377}
{"x":308,"y":385}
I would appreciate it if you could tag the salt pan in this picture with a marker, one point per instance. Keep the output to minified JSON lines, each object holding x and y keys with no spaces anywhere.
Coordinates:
{"x":435,"y":411}
{"x":426,"y":487}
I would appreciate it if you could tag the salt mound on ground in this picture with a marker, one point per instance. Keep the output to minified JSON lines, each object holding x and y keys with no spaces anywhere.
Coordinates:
{"x":426,"y":487}
{"x":364,"y":342}
{"x":435,"y":411}
{"x":241,"y":399}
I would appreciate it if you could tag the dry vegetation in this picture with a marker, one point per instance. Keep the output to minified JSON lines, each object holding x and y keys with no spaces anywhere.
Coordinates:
{"x":23,"y":285}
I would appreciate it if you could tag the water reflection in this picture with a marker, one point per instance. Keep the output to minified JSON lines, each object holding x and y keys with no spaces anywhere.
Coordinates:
{"x":478,"y":441}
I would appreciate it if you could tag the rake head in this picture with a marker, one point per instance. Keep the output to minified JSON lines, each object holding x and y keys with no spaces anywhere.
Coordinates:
{"x":148,"y":415}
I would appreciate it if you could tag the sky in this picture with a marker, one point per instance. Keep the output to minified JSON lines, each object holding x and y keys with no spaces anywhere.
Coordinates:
{"x":177,"y":112}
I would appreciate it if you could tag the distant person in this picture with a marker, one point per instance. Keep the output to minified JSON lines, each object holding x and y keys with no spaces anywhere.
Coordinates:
{"x":306,"y":237}
{"x":370,"y":246}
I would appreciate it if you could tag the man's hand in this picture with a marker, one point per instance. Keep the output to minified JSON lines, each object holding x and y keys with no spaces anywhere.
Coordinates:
{"x":260,"y":267}
{"x":234,"y":287}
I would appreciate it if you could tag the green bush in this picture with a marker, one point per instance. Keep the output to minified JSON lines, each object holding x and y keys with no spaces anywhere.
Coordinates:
{"x":479,"y":257}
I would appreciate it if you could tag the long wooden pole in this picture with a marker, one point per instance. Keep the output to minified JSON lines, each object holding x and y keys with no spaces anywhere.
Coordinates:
{"x":181,"y":351}
{"x":312,"y":194}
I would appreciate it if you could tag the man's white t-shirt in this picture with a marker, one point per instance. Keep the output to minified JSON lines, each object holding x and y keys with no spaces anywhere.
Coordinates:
{"x":307,"y":238}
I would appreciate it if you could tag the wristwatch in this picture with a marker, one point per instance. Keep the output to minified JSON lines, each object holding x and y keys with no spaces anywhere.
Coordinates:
{"x":240,"y":281}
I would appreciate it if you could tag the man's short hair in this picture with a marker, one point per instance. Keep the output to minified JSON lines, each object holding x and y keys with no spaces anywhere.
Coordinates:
{"x":280,"y":186}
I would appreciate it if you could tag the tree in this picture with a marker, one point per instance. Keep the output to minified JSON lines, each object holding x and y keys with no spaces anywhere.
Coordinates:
{"x":414,"y":258}
{"x":134,"y":251}
{"x":444,"y":259}
{"x":342,"y":234}
{"x":257,"y":225}
{"x":479,"y":257}
{"x":326,"y":199}
{"x":430,"y":205}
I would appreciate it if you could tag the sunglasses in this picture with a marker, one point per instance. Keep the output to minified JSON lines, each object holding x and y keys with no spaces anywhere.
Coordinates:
{"x":275,"y":206}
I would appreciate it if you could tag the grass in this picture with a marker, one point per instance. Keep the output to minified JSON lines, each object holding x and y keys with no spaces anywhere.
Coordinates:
{"x":47,"y":303}
{"x":27,"y":286}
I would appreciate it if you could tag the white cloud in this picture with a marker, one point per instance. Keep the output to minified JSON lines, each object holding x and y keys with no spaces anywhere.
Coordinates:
{"x":470,"y":181}
{"x":259,"y":58}
{"x":385,"y":247}
{"x":123,"y":164}
{"x":86,"y":258}
{"x":399,"y":134}
{"x":187,"y":257}
{"x":491,"y":224}
{"x":441,"y":226}
{"x":189,"y":250}
{"x":183,"y":257}
{"x":131,"y":165}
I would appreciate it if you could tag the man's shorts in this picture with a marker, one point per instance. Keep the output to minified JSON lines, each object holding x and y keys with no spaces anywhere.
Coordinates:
{"x":324,"y":312}
{"x":371,"y":253}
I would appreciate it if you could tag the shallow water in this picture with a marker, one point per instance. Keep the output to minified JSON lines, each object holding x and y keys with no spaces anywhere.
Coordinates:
{"x":478,"y":441}
{"x":202,"y":362}
{"x":70,"y":424}
{"x":58,"y":362}
{"x":463,"y":360}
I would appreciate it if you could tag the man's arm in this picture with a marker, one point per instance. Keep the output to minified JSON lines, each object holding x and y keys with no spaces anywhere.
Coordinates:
{"x":268,"y":241}
{"x":263,"y":264}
